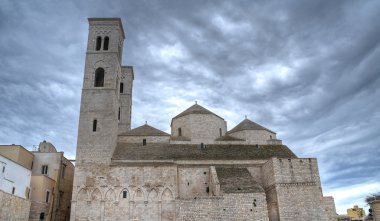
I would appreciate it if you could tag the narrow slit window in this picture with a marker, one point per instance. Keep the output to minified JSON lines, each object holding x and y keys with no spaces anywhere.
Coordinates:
{"x":124,"y":194}
{"x":63,"y":170}
{"x":118,"y":115}
{"x":47,"y":196}
{"x":121,"y":87}
{"x":144,"y":142}
{"x":106,"y":42}
{"x":94,"y":125}
{"x":220,"y":132}
{"x":179,"y":132}
{"x":98,"y":43}
{"x":13,"y":190}
{"x":99,"y":77}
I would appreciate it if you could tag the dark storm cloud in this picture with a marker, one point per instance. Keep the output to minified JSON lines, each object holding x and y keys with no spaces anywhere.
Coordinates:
{"x":306,"y":69}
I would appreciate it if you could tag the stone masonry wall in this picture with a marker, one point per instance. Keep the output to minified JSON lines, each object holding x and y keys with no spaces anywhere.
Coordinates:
{"x":294,"y":186}
{"x":13,"y":208}
{"x":237,"y":206}
{"x":125,"y":99}
{"x":165,"y":193}
{"x":199,"y":127}
{"x":260,"y":137}
{"x":330,"y":209}
{"x":37,"y":208}
{"x":98,"y":193}
{"x":139,"y":139}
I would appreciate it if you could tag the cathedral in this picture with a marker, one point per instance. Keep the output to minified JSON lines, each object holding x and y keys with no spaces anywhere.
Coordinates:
{"x":200,"y":171}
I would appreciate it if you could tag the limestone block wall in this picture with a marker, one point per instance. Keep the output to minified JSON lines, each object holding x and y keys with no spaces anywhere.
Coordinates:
{"x":256,"y":173}
{"x":299,"y":202}
{"x":125,"y":98}
{"x":183,"y":123}
{"x":236,"y":206}
{"x":375,"y":206}
{"x":231,"y":142}
{"x":106,"y":61}
{"x":293,"y":186}
{"x":329,"y":206}
{"x":97,"y":146}
{"x":13,"y":208}
{"x":112,"y":29}
{"x":296,"y":170}
{"x":98,"y":193}
{"x":37,"y":208}
{"x":260,"y":137}
{"x":199,"y":127}
{"x":139,"y":139}
{"x":193,"y":182}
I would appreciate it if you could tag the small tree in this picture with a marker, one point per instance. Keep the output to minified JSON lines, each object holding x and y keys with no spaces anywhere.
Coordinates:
{"x":370,"y":199}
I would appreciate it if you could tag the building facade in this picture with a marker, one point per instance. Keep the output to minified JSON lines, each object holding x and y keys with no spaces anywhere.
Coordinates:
{"x":51,"y":184}
{"x":200,"y":171}
{"x":356,"y":213}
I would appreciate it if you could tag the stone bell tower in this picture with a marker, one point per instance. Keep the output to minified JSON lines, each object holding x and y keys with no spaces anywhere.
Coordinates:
{"x":103,"y":109}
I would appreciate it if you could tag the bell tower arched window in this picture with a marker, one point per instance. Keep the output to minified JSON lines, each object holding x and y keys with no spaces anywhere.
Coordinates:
{"x":106,"y":42}
{"x":99,"y":77}
{"x":98,"y":43}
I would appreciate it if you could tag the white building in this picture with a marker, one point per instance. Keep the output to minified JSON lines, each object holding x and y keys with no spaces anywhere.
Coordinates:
{"x":15,"y":170}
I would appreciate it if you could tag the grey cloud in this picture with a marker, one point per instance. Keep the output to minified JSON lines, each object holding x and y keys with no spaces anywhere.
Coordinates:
{"x":324,"y":106}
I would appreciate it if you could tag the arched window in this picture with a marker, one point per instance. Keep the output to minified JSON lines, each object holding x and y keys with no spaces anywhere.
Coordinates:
{"x":99,"y":77}
{"x":98,"y":43}
{"x":179,"y":132}
{"x":106,"y":42}
{"x":42,"y":216}
{"x":121,"y":87}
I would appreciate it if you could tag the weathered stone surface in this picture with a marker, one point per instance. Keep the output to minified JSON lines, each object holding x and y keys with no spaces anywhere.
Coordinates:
{"x":13,"y":208}
{"x":174,"y":177}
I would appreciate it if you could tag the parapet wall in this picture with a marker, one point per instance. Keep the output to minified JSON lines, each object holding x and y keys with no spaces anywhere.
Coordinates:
{"x":293,"y":189}
{"x":13,"y":208}
{"x":139,"y":139}
{"x":329,"y":204}
{"x":291,"y":170}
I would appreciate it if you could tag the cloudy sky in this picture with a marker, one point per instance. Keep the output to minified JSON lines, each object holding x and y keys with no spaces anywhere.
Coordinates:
{"x":309,"y":70}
